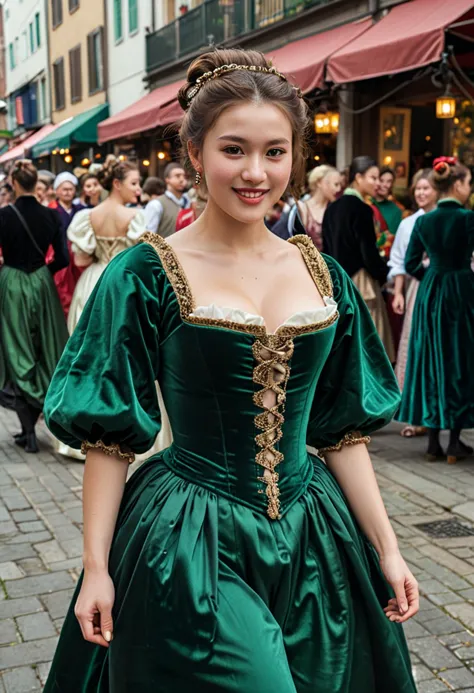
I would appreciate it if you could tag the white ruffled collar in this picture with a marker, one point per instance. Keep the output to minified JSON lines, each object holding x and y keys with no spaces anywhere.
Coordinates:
{"x":304,"y":317}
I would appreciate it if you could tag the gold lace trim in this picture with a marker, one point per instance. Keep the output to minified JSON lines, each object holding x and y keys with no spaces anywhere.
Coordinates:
{"x":179,"y":282}
{"x":271,"y":372}
{"x":349,"y":439}
{"x":113,"y":449}
{"x":315,"y":262}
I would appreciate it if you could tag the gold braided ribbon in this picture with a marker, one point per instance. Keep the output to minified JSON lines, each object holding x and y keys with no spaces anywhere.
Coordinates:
{"x":224,"y":69}
{"x":113,"y":449}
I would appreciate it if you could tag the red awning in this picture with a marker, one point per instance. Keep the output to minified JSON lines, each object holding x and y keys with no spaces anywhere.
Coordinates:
{"x":147,"y":113}
{"x":19,"y":152}
{"x":304,"y":61}
{"x":412,"y":35}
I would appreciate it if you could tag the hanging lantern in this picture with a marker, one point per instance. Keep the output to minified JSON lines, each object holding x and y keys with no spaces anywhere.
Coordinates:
{"x":334,"y":123}
{"x":322,"y":123}
{"x":445,"y":107}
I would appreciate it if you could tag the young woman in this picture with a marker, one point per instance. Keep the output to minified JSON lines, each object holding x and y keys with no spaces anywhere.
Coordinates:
{"x":232,"y":562}
{"x":406,"y":288}
{"x":383,"y":200}
{"x":32,"y":327}
{"x":90,"y":190}
{"x":324,"y":184}
{"x":439,"y":365}
{"x":349,"y":237}
{"x":98,"y":235}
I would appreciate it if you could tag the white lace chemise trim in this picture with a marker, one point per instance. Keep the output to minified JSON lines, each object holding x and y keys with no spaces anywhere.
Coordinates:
{"x":304,"y":317}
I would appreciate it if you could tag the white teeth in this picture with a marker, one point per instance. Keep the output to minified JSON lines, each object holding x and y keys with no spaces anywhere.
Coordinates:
{"x":251,"y":195}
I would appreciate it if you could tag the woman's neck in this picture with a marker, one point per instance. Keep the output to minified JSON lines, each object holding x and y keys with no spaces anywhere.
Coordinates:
{"x":451,"y":195}
{"x":318,"y":199}
{"x":429,"y":208}
{"x":238,"y":236}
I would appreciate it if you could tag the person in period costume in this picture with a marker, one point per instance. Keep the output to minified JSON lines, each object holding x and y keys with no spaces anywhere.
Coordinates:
{"x":231,"y":561}
{"x":161,"y":213}
{"x":97,"y":235}
{"x":405,"y":287}
{"x":65,"y":187}
{"x":383,"y":200}
{"x":439,"y":376}
{"x":324,"y":184}
{"x":33,"y":331}
{"x":349,"y":237}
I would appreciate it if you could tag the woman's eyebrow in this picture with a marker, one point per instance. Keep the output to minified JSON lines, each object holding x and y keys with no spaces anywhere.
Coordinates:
{"x":242,"y":140}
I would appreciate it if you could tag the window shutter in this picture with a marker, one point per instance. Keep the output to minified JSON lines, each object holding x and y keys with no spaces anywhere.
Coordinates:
{"x":132,"y":16}
{"x":118,"y":26}
{"x":59,"y":88}
{"x":90,"y":62}
{"x":75,"y":74}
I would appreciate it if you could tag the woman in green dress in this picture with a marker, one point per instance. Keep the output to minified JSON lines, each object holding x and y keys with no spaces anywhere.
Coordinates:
{"x":231,"y":561}
{"x":439,"y":378}
{"x":33,"y":330}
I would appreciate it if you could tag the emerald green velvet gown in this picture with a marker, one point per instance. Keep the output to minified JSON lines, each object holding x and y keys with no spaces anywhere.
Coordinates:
{"x":439,"y":377}
{"x":235,"y":571}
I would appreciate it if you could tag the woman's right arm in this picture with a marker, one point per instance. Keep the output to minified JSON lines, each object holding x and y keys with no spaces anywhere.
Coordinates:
{"x":104,"y":482}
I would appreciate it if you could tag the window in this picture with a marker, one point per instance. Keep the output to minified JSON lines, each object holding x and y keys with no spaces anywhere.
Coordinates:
{"x":11,"y":52}
{"x":43,"y":99}
{"x":32,"y":39}
{"x":75,"y":74}
{"x":24,"y":48}
{"x":132,"y":16}
{"x":17,"y":51}
{"x":73,"y":5}
{"x":59,"y":90}
{"x":38,"y":30}
{"x":118,"y":30}
{"x":95,"y":52}
{"x":57,"y":12}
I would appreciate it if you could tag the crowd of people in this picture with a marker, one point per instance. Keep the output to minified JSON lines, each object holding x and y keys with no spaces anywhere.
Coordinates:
{"x":351,"y":215}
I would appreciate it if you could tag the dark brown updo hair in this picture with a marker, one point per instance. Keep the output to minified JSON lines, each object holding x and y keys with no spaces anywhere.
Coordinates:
{"x":25,"y":174}
{"x":114,"y":170}
{"x":446,"y":171}
{"x":239,"y":86}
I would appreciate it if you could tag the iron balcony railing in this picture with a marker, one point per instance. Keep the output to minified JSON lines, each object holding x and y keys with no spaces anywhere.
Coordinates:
{"x":216,"y":21}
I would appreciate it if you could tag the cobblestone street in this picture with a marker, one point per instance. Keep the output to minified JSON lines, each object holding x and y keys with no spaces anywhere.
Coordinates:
{"x":41,"y":546}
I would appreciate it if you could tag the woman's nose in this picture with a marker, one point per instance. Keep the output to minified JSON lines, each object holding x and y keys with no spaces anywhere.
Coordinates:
{"x":254,"y":171}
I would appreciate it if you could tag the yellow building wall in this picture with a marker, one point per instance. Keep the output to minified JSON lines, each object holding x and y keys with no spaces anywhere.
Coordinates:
{"x":75,"y":28}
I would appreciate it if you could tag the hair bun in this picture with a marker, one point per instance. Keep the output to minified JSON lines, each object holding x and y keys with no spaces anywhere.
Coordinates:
{"x":442,"y":170}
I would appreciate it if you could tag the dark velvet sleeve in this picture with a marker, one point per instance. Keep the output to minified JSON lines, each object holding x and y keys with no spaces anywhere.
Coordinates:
{"x":61,"y":254}
{"x":415,"y":250}
{"x":364,"y":230}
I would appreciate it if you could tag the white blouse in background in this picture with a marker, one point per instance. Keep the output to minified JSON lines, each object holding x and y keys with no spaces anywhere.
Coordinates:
{"x":400,"y":245}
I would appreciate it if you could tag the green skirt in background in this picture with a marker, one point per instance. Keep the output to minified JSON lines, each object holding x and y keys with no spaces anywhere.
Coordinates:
{"x":33,"y":331}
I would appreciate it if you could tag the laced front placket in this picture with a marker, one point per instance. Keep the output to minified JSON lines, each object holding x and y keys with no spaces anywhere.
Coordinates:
{"x":271,"y":372}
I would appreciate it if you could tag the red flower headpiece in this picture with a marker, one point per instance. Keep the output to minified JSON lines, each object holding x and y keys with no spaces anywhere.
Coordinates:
{"x":440,"y":164}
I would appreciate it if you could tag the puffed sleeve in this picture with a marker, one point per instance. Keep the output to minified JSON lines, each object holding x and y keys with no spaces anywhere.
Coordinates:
{"x":103,"y":391}
{"x":81,"y":234}
{"x":357,"y":392}
{"x":137,"y":227}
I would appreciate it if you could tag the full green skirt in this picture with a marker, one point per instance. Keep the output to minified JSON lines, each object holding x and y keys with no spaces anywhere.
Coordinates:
{"x":439,"y":376}
{"x":33,"y":331}
{"x":213,"y":597}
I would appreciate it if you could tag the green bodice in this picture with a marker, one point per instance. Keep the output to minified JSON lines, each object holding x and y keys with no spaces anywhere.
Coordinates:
{"x":324,"y":381}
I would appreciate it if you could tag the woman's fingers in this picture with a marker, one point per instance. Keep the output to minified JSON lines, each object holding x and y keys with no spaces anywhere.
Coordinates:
{"x":90,"y":628}
{"x":410,"y":598}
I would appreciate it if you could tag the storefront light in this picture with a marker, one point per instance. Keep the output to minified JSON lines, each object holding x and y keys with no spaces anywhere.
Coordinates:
{"x":85,"y":162}
{"x":146,"y":163}
{"x":161,"y":156}
{"x":387,"y":160}
{"x":445,"y":107}
{"x":322,"y":123}
{"x":68,"y":159}
{"x":122,"y":157}
{"x":61,"y":151}
{"x":335,"y":123}
{"x":54,"y":152}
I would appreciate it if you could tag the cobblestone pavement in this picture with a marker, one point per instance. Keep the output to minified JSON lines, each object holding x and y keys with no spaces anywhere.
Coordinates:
{"x":41,"y":546}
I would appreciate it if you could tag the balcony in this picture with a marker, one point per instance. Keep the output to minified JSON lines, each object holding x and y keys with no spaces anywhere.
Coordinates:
{"x":214,"y":22}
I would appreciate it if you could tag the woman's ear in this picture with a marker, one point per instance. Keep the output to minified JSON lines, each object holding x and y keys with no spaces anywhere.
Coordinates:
{"x":194,"y":156}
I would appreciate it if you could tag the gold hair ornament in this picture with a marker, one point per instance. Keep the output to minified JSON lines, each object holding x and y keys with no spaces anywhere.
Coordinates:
{"x":224,"y":69}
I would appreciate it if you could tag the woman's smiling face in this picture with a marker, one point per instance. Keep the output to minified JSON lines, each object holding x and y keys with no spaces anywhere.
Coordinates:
{"x":246,"y":160}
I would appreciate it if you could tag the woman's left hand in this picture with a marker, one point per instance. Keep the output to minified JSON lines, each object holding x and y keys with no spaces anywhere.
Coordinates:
{"x":407,"y":601}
